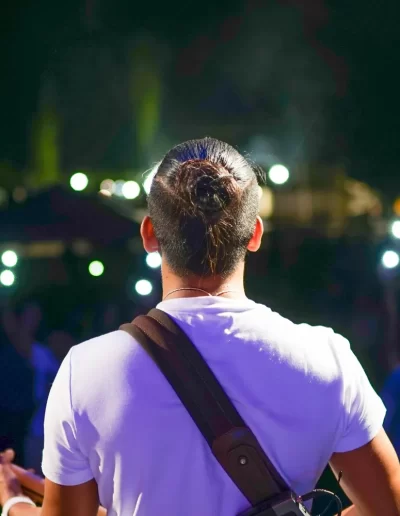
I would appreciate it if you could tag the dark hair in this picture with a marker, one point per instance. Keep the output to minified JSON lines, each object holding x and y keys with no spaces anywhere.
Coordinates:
{"x":203,"y":204}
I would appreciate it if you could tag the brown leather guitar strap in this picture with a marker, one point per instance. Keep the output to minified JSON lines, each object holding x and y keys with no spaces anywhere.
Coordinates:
{"x":231,"y":441}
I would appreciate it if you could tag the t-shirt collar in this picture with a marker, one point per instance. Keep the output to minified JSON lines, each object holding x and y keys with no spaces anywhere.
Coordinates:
{"x":190,"y":304}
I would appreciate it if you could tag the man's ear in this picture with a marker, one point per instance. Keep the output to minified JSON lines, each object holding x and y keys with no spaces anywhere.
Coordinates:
{"x":255,"y":241}
{"x":150,"y":242}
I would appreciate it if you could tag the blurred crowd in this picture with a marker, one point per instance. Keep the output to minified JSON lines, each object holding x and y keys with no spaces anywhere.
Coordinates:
{"x":30,"y":355}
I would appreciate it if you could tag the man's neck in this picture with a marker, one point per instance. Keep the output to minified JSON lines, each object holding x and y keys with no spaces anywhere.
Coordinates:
{"x":202,"y":285}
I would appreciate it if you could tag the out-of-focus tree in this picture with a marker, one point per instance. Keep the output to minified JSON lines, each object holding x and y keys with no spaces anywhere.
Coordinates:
{"x":45,"y":140}
{"x":146,"y":97}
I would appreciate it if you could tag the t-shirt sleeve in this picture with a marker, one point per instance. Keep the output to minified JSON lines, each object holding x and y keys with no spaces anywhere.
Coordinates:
{"x":63,"y":461}
{"x":363,"y":410}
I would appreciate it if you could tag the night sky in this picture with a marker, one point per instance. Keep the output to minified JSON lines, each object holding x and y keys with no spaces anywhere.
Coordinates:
{"x":317,"y":75}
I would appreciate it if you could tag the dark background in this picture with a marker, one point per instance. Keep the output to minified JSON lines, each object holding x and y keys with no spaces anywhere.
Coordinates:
{"x":333,"y":63}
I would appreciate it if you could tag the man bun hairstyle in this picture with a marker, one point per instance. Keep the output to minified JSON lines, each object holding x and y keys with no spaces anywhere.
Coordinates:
{"x":203,"y":204}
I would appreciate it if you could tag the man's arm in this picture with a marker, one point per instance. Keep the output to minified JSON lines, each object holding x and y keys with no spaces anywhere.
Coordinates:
{"x":59,"y":500}
{"x":351,"y":511}
{"x":79,"y":500}
{"x":371,"y":477}
{"x":23,"y":509}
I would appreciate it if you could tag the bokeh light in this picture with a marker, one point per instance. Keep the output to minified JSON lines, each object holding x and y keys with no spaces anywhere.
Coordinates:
{"x":396,"y":207}
{"x":118,"y":187}
{"x":9,"y":258}
{"x":143,"y":287}
{"x":396,"y":229}
{"x":105,"y":193}
{"x":390,"y":259}
{"x":107,"y":187}
{"x":149,"y":179}
{"x":153,"y":260}
{"x":20,"y":194}
{"x":96,"y":268}
{"x":130,"y":190}
{"x":7,"y":278}
{"x":279,"y":174}
{"x":266,"y":203}
{"x":79,"y":181}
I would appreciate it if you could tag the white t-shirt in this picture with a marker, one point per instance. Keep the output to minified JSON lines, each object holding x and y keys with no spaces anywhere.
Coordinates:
{"x":112,"y":415}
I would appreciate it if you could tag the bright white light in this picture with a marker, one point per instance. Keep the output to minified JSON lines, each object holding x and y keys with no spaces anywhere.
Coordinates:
{"x":396,"y":229}
{"x":149,"y":179}
{"x":96,"y":268}
{"x":143,"y":287}
{"x":278,"y":174}
{"x":130,"y":190}
{"x":390,"y":259}
{"x":153,"y":260}
{"x":9,"y":258}
{"x":7,"y":278}
{"x":79,"y":181}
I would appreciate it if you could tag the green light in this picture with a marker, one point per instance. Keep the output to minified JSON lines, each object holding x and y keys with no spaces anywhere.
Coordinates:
{"x":130,"y":190}
{"x":96,"y":268}
{"x":153,"y":260}
{"x":279,"y":174}
{"x":9,"y":258}
{"x":143,"y":287}
{"x":79,"y":181}
{"x":7,"y":278}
